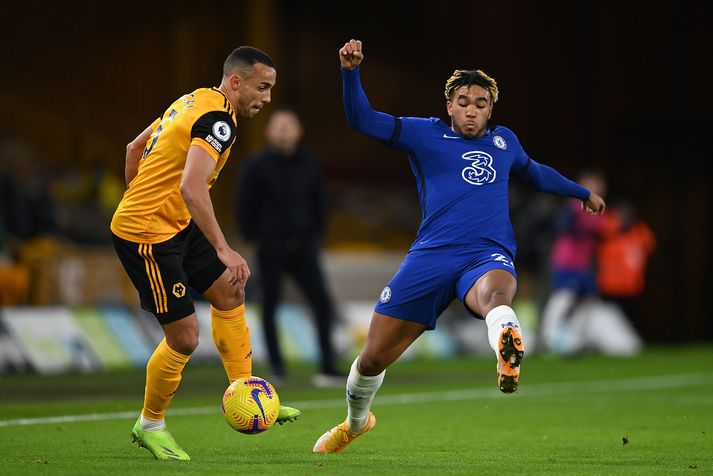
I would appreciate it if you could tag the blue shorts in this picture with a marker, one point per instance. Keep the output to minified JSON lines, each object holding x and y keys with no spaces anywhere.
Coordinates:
{"x":429,"y":279}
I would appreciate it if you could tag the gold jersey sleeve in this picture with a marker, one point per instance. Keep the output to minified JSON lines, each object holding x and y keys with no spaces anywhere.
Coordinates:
{"x":152,"y":209}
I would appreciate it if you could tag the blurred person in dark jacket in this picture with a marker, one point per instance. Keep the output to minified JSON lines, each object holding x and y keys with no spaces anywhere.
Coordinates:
{"x":282,"y":209}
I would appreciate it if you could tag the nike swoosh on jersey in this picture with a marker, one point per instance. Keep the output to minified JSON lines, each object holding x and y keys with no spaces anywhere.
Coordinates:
{"x":446,"y":136}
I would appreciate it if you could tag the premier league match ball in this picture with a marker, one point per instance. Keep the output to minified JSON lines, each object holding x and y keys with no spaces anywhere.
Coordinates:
{"x":251,"y":405}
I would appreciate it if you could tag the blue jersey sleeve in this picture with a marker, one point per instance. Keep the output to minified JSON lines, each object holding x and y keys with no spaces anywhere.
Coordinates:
{"x":544,"y":178}
{"x":361,"y":116}
{"x":547,"y":179}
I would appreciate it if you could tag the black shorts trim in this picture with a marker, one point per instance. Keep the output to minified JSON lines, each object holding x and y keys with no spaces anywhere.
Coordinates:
{"x":202,"y":280}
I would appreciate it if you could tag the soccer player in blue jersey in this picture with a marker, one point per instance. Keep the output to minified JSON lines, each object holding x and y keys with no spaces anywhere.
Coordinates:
{"x":465,"y":245}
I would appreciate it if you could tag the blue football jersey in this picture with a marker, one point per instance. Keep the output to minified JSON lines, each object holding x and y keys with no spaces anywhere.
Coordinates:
{"x":462,"y":183}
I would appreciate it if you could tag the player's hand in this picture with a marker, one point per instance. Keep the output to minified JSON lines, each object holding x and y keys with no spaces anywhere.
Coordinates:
{"x":237,"y":267}
{"x":594,"y":204}
{"x":350,"y":55}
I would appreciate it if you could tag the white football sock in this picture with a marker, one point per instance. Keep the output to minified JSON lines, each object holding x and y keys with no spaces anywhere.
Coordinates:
{"x":152,"y":425}
{"x":360,"y":393}
{"x":498,"y":318}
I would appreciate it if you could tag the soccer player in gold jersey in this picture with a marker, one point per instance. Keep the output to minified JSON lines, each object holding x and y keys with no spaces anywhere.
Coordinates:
{"x":167,"y":236}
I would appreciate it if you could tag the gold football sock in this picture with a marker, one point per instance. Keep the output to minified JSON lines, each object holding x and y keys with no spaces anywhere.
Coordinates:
{"x":232,"y":338}
{"x":163,"y":374}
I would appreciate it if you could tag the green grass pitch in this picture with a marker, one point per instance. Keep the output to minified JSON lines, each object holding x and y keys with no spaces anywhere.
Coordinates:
{"x":652,"y":414}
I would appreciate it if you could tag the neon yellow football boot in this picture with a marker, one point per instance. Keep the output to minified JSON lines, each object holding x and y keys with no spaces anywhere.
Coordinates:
{"x":160,"y":443}
{"x":287,"y":414}
{"x":341,"y":436}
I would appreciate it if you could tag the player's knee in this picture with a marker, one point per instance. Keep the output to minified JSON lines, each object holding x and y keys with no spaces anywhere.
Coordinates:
{"x":495,"y":297}
{"x":493,"y":294}
{"x":232,"y":298}
{"x":184,"y":343}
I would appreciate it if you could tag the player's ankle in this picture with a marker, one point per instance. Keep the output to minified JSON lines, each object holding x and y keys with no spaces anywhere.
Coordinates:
{"x":152,"y":425}
{"x":358,"y":424}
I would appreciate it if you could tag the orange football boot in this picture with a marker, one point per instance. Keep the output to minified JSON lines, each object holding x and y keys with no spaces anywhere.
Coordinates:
{"x":510,"y":353}
{"x":339,"y":437}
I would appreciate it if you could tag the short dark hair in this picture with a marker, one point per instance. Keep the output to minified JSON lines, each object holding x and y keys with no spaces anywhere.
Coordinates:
{"x":243,"y":58}
{"x":465,"y":77}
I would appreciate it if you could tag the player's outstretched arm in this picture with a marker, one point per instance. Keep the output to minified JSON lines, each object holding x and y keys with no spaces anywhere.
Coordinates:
{"x":547,"y":179}
{"x":351,"y":54}
{"x":594,"y":204}
{"x":361,"y":116}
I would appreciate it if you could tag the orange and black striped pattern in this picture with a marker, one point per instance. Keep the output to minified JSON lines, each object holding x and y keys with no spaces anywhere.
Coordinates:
{"x":154,"y":274}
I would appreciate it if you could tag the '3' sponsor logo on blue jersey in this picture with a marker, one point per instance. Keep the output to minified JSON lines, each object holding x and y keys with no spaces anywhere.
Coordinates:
{"x":481,"y":169}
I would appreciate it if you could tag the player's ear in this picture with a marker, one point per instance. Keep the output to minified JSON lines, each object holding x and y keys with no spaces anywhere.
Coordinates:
{"x":235,"y":81}
{"x":449,"y":108}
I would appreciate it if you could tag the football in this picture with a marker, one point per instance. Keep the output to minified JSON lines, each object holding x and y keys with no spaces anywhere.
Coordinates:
{"x":251,"y":405}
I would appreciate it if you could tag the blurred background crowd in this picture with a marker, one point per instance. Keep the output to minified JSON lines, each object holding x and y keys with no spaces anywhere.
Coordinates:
{"x":616,"y":87}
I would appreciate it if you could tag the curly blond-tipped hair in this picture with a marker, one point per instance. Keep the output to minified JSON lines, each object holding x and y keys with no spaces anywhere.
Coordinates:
{"x":463,"y":77}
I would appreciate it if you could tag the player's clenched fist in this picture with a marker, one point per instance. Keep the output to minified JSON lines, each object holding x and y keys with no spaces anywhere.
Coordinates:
{"x":350,"y":55}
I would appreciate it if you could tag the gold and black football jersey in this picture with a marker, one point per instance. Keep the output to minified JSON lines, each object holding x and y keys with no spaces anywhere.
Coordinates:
{"x":152,"y":209}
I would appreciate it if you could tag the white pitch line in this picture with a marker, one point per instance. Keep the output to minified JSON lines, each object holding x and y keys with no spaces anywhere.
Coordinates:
{"x":632,"y":385}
